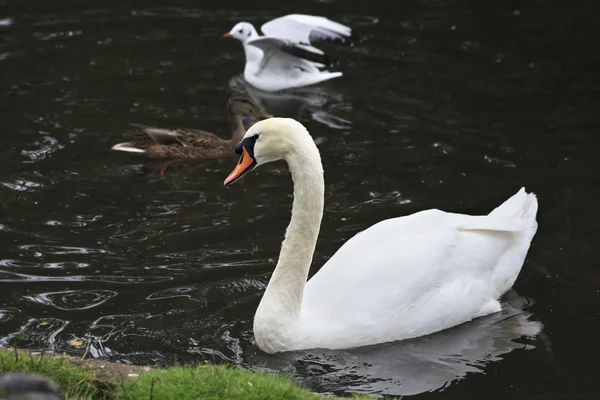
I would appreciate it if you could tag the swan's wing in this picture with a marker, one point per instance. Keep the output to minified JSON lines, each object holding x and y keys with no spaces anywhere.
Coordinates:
{"x":414,"y":275}
{"x":306,"y":28}
{"x":276,"y":49}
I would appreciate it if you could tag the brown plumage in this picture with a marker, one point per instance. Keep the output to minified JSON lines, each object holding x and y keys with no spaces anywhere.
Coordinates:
{"x":191,"y":143}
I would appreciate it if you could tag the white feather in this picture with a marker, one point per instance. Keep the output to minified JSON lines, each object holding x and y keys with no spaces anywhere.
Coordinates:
{"x":299,"y":27}
{"x":402,"y":278}
{"x":126,"y":147}
{"x":284,"y":58}
{"x":279,"y":70}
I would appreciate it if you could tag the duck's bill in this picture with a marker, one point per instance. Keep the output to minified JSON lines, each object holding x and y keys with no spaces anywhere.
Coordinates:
{"x":245,"y":164}
{"x":260,"y":114}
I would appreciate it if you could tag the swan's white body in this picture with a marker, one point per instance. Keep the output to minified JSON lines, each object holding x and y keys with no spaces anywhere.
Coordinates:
{"x":284,"y":57}
{"x":401,"y":278}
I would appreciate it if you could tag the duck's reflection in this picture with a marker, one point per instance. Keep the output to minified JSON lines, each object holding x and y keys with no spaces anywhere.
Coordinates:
{"x":314,"y":100}
{"x":414,"y":366}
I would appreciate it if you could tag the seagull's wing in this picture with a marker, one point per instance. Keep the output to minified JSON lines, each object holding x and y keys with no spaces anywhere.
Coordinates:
{"x":276,"y":48}
{"x":303,"y":29}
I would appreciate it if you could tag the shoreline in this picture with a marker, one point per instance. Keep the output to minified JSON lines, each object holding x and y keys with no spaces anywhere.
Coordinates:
{"x":92,"y":379}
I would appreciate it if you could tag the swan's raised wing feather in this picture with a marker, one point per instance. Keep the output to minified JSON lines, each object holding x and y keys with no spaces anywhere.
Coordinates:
{"x":303,"y":29}
{"x":486,"y":223}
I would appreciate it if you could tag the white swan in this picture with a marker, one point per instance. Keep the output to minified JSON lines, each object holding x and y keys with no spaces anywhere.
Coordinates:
{"x":401,"y":278}
{"x":285,"y":58}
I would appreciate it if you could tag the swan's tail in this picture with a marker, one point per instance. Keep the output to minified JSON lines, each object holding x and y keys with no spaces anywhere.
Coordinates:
{"x":522,"y":209}
{"x":522,"y":206}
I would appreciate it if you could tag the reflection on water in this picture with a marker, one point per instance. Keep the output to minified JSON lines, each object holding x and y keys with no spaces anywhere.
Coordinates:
{"x":420,"y":365}
{"x":295,"y":103}
{"x":7,"y":314}
{"x":7,"y":276}
{"x":449,"y":104}
{"x":36,"y":333}
{"x":72,"y":299}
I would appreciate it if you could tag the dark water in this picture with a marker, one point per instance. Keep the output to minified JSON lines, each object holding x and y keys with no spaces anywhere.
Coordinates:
{"x":446,"y":104}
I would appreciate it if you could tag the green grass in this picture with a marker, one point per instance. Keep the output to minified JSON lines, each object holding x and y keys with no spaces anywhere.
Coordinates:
{"x":76,"y":383}
{"x":211,"y":382}
{"x":90,"y":382}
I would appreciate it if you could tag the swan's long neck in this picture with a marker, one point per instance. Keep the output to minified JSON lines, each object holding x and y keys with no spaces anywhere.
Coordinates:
{"x":283,"y":297}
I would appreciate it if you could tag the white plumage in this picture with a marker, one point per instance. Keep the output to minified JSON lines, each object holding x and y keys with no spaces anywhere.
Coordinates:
{"x":304,"y":28}
{"x":285,"y":58}
{"x":401,"y":278}
{"x":411,"y":276}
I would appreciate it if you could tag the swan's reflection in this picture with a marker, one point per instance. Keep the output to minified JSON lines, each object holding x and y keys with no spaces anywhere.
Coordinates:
{"x":293,"y":103}
{"x":414,"y":366}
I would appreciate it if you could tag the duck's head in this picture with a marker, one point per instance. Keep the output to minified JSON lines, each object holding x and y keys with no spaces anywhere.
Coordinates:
{"x":242,"y":106}
{"x":242,"y":31}
{"x":271,"y":140}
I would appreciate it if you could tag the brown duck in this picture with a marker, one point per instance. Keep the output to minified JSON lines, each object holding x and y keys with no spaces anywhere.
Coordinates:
{"x":192,"y":143}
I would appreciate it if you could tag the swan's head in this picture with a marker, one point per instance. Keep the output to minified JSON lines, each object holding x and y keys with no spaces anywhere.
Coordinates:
{"x":242,"y":31}
{"x":271,"y":140}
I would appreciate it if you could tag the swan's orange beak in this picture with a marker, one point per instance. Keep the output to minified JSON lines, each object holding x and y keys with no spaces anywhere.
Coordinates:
{"x":244,"y":165}
{"x":226,"y":35}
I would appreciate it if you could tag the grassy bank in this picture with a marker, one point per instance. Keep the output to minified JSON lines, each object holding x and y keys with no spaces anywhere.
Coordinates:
{"x":92,"y":379}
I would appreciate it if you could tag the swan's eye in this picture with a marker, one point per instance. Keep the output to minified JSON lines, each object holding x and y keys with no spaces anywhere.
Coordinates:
{"x":256,"y":137}
{"x":241,"y":31}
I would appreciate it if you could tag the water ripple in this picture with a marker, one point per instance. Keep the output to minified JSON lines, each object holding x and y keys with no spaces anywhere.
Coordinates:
{"x":181,"y":291}
{"x":55,"y":35}
{"x":48,"y":146}
{"x":500,"y":161}
{"x":118,"y":320}
{"x":22,"y":185}
{"x":377,"y":198}
{"x":36,"y":332}
{"x":66,"y":265}
{"x":108,"y":327}
{"x":8,"y":276}
{"x":216,"y":294}
{"x":65,"y":223}
{"x":16,"y":263}
{"x":61,"y":250}
{"x":8,"y":313}
{"x":69,"y":300}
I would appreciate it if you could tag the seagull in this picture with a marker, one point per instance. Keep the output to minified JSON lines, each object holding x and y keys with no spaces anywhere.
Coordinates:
{"x":284,"y":58}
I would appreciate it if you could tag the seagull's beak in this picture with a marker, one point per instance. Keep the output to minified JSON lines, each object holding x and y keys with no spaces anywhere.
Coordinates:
{"x":226,"y":35}
{"x":244,"y":165}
